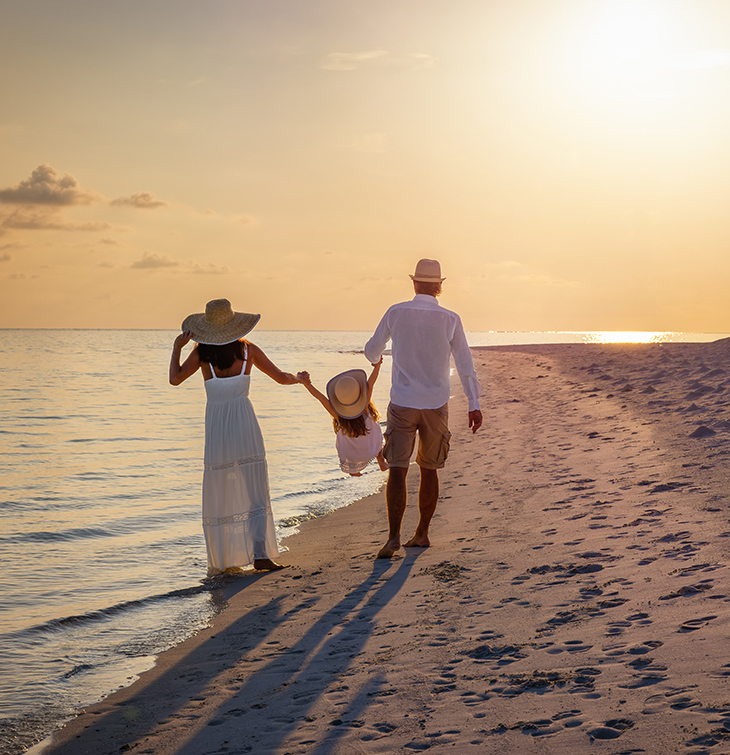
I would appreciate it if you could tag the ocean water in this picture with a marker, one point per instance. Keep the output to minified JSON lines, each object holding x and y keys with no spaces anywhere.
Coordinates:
{"x":101,"y":545}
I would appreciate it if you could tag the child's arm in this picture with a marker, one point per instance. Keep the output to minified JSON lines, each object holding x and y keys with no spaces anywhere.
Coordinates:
{"x":305,"y":380}
{"x":373,"y":377}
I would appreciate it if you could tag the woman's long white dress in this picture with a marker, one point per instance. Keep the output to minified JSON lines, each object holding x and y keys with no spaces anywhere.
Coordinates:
{"x":237,"y":519}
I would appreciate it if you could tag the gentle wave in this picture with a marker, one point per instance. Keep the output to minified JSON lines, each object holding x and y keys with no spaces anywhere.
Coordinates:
{"x":105,"y":613}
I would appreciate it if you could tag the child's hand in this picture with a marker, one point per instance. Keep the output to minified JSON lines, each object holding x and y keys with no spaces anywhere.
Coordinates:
{"x":303,"y":377}
{"x":378,"y":363}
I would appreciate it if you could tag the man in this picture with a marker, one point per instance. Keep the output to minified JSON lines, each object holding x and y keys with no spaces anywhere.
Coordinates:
{"x":424,"y":336}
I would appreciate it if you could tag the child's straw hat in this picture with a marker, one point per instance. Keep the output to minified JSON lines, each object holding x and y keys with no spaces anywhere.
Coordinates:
{"x":348,"y":393}
{"x":219,"y":324}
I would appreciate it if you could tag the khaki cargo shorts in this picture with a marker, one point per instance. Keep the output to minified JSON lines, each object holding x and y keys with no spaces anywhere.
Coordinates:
{"x":432,"y":426}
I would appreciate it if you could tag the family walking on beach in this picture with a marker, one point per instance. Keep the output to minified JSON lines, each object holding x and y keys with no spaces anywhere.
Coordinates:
{"x":237,"y":518}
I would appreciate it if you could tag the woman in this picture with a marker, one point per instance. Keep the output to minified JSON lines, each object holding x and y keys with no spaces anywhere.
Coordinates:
{"x":237,"y":518}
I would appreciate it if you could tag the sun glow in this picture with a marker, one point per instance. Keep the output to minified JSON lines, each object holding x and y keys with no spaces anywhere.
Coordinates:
{"x":626,"y":50}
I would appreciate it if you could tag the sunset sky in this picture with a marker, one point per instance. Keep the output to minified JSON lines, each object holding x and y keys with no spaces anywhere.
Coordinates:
{"x":567,"y":161}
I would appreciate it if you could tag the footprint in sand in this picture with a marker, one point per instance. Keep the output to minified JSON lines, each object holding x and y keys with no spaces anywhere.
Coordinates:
{"x":645,"y":647}
{"x":612,"y":729}
{"x":694,"y":624}
{"x":570,"y":646}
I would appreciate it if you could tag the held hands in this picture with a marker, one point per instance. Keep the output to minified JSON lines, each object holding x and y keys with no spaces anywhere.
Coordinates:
{"x":303,"y":377}
{"x":475,"y":420}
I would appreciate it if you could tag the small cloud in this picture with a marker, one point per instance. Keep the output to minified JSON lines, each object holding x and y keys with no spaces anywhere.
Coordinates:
{"x":46,"y":186}
{"x":243,"y":219}
{"x":23,"y":276}
{"x":106,"y":263}
{"x":142,"y":200}
{"x":151,"y":261}
{"x":352,"y":61}
{"x":209,"y":269}
{"x":6,"y":257}
{"x":48,"y":220}
{"x":107,"y":240}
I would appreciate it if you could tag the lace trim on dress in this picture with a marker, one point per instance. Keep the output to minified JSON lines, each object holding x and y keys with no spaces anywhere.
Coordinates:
{"x":238,"y":462}
{"x":244,"y":517}
{"x":355,"y":466}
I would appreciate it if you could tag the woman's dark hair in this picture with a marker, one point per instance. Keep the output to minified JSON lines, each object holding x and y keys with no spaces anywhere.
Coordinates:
{"x":223,"y":356}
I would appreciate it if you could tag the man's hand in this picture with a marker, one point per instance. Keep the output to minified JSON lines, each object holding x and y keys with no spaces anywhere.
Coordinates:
{"x":475,"y":420}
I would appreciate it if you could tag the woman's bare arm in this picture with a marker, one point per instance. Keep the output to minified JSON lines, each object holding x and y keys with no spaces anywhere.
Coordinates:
{"x":266,"y":366}
{"x":179,"y":373}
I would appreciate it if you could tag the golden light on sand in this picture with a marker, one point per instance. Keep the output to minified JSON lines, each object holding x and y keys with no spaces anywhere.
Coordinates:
{"x":626,"y":336}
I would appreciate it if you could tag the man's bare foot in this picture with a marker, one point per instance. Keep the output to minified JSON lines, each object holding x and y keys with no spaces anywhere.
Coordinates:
{"x":417,"y":542}
{"x":389,"y":549}
{"x":266,"y":564}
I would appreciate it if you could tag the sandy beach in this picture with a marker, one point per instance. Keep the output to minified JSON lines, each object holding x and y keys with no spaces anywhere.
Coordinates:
{"x":574,"y":598}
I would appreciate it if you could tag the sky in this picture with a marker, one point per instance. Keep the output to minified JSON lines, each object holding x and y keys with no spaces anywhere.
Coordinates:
{"x":567,"y":161}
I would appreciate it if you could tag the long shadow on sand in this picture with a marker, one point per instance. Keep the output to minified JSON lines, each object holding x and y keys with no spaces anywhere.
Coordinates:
{"x":275,"y":697}
{"x":278,"y":698}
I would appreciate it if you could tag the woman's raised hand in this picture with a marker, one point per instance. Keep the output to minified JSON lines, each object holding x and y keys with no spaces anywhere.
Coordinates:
{"x":303,"y":377}
{"x":183,"y":338}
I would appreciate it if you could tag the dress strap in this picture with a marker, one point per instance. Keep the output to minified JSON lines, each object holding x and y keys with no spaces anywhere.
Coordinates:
{"x":245,"y":358}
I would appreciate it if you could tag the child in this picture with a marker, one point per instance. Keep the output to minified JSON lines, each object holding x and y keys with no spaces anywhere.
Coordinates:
{"x":359,"y":438}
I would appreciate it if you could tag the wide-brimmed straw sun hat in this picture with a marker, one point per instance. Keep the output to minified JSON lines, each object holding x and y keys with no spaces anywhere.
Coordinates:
{"x":219,"y":324}
{"x":428,"y":271}
{"x":348,"y":393}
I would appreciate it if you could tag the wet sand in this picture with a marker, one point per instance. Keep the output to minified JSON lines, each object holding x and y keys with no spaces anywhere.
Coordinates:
{"x":575,"y":596}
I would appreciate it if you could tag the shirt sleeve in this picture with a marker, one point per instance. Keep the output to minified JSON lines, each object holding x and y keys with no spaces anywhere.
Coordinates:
{"x":375,"y":347}
{"x":465,"y":367}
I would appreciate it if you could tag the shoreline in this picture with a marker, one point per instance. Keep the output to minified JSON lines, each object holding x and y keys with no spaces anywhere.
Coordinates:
{"x":579,"y":543}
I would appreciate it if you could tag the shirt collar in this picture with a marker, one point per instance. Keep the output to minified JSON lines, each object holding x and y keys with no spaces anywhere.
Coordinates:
{"x":426,"y":299}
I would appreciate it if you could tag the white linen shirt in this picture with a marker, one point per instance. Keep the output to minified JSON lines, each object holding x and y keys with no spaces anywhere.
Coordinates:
{"x":425,"y":335}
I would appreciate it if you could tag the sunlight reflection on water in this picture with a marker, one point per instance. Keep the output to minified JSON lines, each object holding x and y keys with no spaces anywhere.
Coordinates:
{"x":628,"y":336}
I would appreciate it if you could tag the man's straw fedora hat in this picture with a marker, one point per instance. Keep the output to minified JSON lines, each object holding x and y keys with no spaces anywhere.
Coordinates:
{"x":428,"y":271}
{"x":348,"y":393}
{"x":219,"y":324}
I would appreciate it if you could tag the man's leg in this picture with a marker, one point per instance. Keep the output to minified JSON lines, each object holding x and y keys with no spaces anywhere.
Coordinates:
{"x":428,"y":495}
{"x":395,"y":497}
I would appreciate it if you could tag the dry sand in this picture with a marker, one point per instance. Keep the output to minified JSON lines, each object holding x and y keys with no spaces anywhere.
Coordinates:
{"x":575,"y":598}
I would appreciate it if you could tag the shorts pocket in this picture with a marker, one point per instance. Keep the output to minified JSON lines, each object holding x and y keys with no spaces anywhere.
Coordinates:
{"x":444,"y":448}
